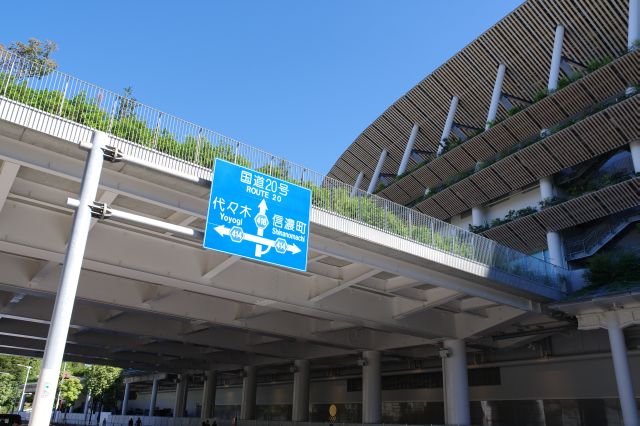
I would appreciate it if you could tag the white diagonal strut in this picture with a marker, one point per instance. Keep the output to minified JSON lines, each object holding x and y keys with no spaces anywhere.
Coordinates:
{"x":8,"y":174}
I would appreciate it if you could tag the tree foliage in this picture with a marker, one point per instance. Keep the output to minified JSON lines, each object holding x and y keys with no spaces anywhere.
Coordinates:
{"x":126,"y":105}
{"x":70,"y":389}
{"x":8,"y":392}
{"x":99,"y":378}
{"x":613,"y":268}
{"x":35,"y":57}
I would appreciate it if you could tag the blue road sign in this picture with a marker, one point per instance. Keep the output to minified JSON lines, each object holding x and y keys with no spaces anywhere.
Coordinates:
{"x":257,"y":216}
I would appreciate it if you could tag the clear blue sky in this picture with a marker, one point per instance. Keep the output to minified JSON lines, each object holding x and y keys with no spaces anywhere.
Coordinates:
{"x":299,"y":78}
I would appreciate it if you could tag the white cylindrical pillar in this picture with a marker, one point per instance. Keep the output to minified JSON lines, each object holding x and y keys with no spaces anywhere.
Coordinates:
{"x":154,"y":396}
{"x":478,"y":216}
{"x":300,"y":409}
{"x":408,"y":150}
{"x":182,"y":388}
{"x":249,"y":387}
{"x":495,"y":97}
{"x":87,"y":402}
{"x":634,"y":147}
{"x":448,"y":124}
{"x":556,"y":58}
{"x":376,"y":173}
{"x":556,"y":251}
{"x":546,"y":188}
{"x":65,"y":298}
{"x":633,"y":34}
{"x":356,"y":185}
{"x":455,"y":383}
{"x":371,"y":388}
{"x":209,"y":394}
{"x":125,"y":399}
{"x":621,"y":368}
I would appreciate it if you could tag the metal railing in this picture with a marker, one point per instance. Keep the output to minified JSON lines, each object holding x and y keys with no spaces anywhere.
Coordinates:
{"x":65,"y":96}
{"x":585,"y":245}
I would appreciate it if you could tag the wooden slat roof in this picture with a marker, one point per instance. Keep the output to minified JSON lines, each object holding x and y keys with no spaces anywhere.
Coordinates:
{"x":523,"y":42}
{"x":528,"y":234}
{"x":595,"y":87}
{"x":599,"y":133}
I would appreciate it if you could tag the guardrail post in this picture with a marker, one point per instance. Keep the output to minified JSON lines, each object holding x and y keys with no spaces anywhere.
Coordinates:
{"x":198,"y":146}
{"x":6,"y":86}
{"x":64,"y":94}
{"x":157,"y":130}
{"x":65,"y":298}
{"x":384,"y":217}
{"x":113,"y":113}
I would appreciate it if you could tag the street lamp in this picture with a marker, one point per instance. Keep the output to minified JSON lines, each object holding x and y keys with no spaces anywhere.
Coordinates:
{"x":24,"y":388}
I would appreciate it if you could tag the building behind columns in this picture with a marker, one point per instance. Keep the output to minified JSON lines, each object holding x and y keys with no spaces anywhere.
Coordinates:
{"x":529,"y":136}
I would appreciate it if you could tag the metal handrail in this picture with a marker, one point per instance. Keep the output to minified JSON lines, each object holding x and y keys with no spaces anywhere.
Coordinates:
{"x":65,"y":96}
{"x":598,"y":233}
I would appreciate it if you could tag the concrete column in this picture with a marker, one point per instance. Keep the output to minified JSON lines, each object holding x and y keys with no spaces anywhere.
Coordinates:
{"x":455,"y":383}
{"x":182,"y":387}
{"x":448,"y":124}
{"x":546,"y":188}
{"x":478,"y":216}
{"x":371,"y":388}
{"x":154,"y":397}
{"x":125,"y":399}
{"x":495,"y":97}
{"x":209,"y":395}
{"x":408,"y":150}
{"x":249,"y":387}
{"x":621,"y":368}
{"x":356,"y":185}
{"x":65,"y":297}
{"x":633,"y":34}
{"x":634,"y":147}
{"x":556,"y":58}
{"x":556,"y":251}
{"x":376,"y":173}
{"x":300,"y":409}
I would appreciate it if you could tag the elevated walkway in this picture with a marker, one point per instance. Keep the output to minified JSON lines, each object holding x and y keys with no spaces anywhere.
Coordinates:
{"x":380,"y":276}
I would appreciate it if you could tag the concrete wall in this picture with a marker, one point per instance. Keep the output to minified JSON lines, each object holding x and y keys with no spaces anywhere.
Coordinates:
{"x":541,"y":380}
{"x":527,"y":198}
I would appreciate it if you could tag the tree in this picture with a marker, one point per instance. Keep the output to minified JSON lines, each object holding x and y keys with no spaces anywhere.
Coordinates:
{"x":33,"y":57}
{"x":99,"y":378}
{"x":7,"y":391}
{"x":70,"y":389}
{"x":127,"y":104}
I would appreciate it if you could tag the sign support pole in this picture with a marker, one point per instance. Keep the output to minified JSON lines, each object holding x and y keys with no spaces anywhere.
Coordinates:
{"x":61,"y":318}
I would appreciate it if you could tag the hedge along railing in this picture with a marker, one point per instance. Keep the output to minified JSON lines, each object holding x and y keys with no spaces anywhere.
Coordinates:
{"x":68,"y":97}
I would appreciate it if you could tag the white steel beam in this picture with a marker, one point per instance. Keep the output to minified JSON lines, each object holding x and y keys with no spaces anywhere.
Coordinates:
{"x":361,"y":274}
{"x":495,"y":96}
{"x":228,"y":262}
{"x":408,"y":149}
{"x":448,"y":124}
{"x":377,"y":171}
{"x":8,"y":174}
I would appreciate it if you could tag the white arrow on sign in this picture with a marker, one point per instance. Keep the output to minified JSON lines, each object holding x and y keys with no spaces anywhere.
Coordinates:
{"x":224,"y":231}
{"x":262,"y":212}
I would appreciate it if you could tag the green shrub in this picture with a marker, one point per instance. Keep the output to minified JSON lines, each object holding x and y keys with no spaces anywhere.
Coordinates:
{"x":598,"y":63}
{"x":613,"y":267}
{"x":540,"y":95}
{"x":513,"y":111}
